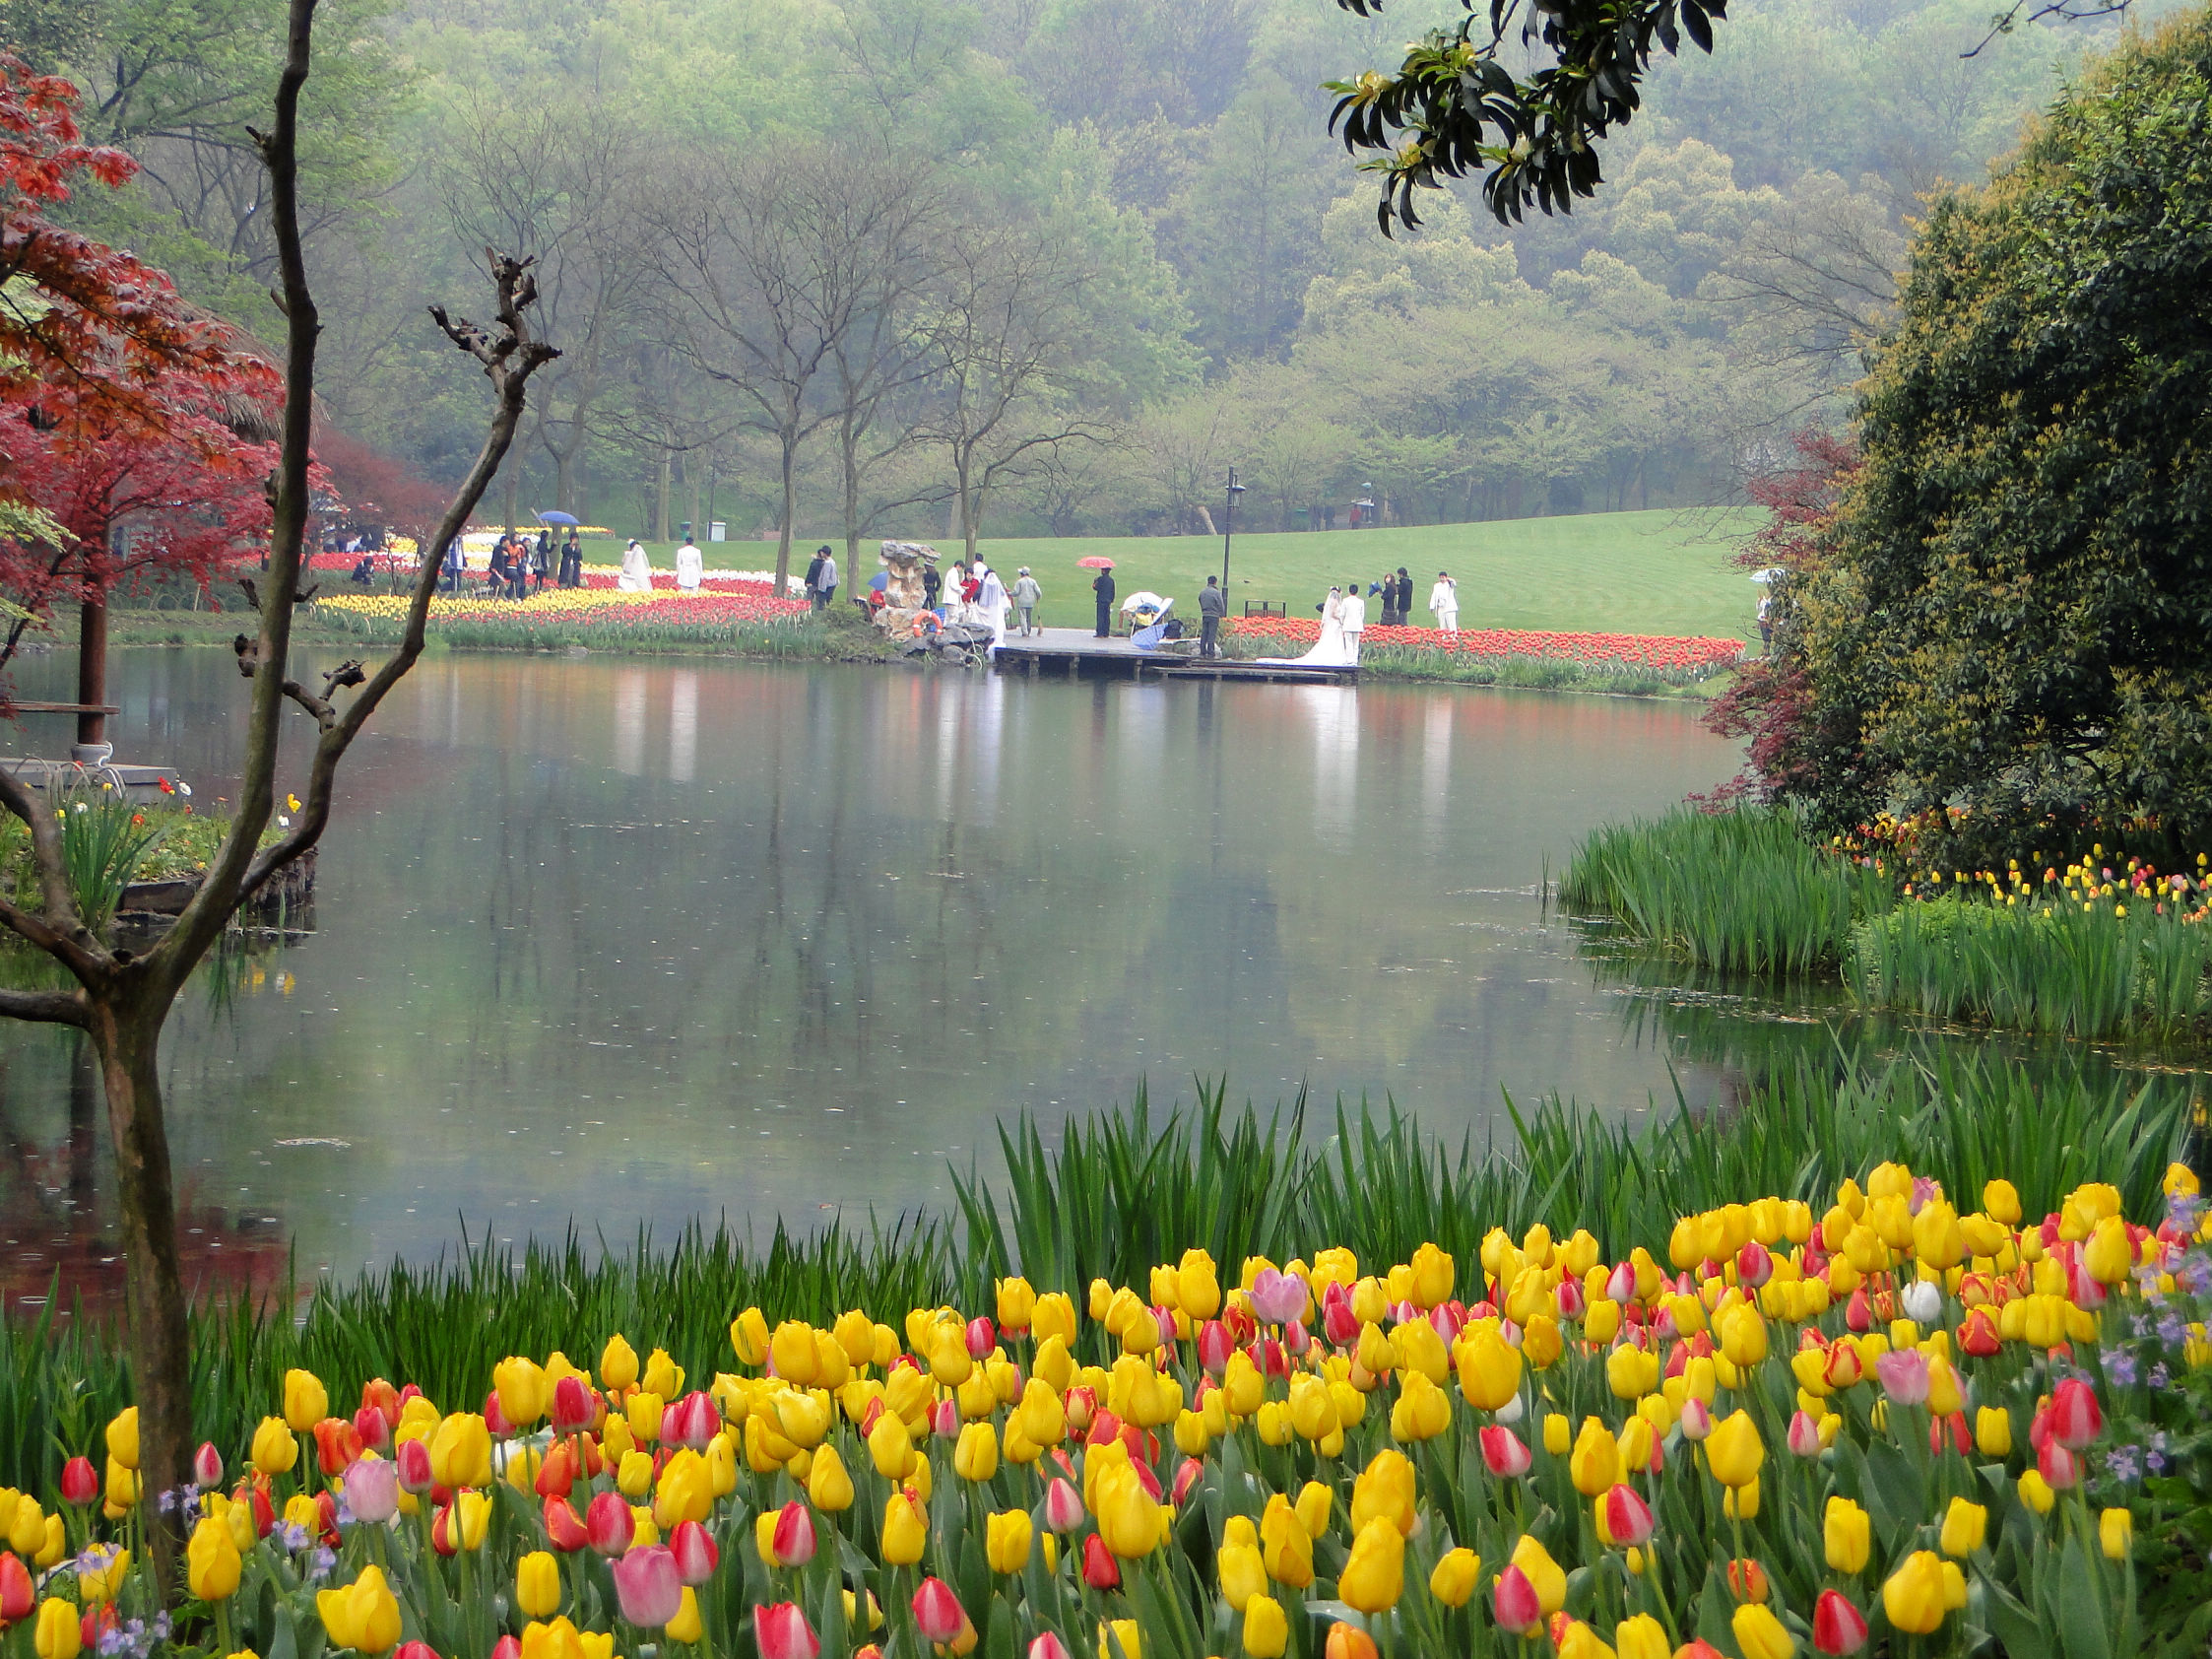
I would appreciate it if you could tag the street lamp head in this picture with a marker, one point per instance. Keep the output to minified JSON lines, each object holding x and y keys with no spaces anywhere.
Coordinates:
{"x":1236,"y":488}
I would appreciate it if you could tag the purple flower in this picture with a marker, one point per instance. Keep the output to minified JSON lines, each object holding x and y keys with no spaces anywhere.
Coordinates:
{"x":2120,"y":1369}
{"x":291,"y":1536}
{"x":2172,"y":1332}
{"x":2124,"y":1464}
{"x":2159,"y":1376}
{"x":320,"y":1563}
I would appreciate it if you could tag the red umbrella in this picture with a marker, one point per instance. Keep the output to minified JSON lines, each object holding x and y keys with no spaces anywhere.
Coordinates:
{"x":1096,"y":561}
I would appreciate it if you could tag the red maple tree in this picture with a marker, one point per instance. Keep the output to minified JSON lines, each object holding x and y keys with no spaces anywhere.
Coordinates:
{"x":128,"y":419}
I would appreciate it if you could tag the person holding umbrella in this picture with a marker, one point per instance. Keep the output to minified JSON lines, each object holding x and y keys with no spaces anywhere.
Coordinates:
{"x":1103,"y":587}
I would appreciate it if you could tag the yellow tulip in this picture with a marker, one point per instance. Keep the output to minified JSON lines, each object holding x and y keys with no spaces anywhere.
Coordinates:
{"x":1267,"y":1628}
{"x":537,"y":1583}
{"x":1964,"y":1527}
{"x":1847,"y":1532}
{"x":1198,"y":1282}
{"x":618,"y":1364}
{"x":1594,"y":1465}
{"x":213,"y":1567}
{"x":1313,"y":1506}
{"x":1993,"y":1432}
{"x":57,"y":1634}
{"x":687,"y":1626}
{"x":1640,"y":1638}
{"x":2115,"y":1534}
{"x":1733,"y":1450}
{"x":275,"y":1451}
{"x":1545,"y":1576}
{"x":827,"y":1483}
{"x":523,"y":1388}
{"x":1374,"y":1576}
{"x":1385,"y":1489}
{"x":461,"y":1451}
{"x":1054,"y":1316}
{"x":1759,"y":1634}
{"x":975,"y":1457}
{"x":1489,"y":1368}
{"x":306,"y":1401}
{"x":749,"y":1337}
{"x":1457,"y":1574}
{"x":559,"y":1640}
{"x":1743,"y":1336}
{"x":122,"y":1438}
{"x":1287,"y":1549}
{"x":472,"y":1516}
{"x":1241,"y":1573}
{"x":1128,"y":1518}
{"x":1422,"y":1411}
{"x":1558,"y":1435}
{"x":1117,"y":1638}
{"x":1005,"y":1542}
{"x":363,"y":1616}
{"x":633,"y":1474}
{"x":1433,"y":1276}
{"x":27,"y":1530}
{"x":905,"y":1532}
{"x":1913,"y":1595}
{"x":2036,"y":1493}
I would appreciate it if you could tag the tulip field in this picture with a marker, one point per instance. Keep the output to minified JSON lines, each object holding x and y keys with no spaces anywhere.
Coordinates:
{"x":1689,"y":658}
{"x":1895,"y":1420}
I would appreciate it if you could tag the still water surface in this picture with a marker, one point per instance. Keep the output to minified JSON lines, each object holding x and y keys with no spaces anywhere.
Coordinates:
{"x":621,"y":942}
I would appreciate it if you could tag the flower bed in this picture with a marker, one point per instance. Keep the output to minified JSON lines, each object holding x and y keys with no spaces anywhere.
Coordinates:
{"x":1690,"y":654}
{"x":1883,"y":1421}
{"x":565,"y":606}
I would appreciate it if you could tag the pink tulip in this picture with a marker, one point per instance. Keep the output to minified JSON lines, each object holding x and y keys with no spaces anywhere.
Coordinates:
{"x":1063,"y":1507}
{"x":610,"y":1524}
{"x":423,"y":1650}
{"x":573,"y":1409}
{"x":1337,"y":1322}
{"x":207,"y":1467}
{"x":1518,"y":1608}
{"x":982,"y":1339}
{"x":1449,"y":1318}
{"x":794,"y":1542}
{"x":695,"y":1552}
{"x":1049,"y":1647}
{"x":373,"y":1428}
{"x":372,"y":1490}
{"x":1665,"y":1326}
{"x":2061,"y":1469}
{"x":1804,"y":1435}
{"x":937,"y":1612}
{"x":494,"y":1419}
{"x":80,"y":1482}
{"x":1215,"y":1345}
{"x":1696,"y":1420}
{"x":2075,"y":1420}
{"x":1163,"y":1321}
{"x":506,"y":1647}
{"x":414,"y":1464}
{"x":1754,"y":1264}
{"x":1627,"y":1516}
{"x":945,"y":1420}
{"x":1296,"y":1338}
{"x":1621,"y":1283}
{"x":1503,"y":1453}
{"x":697,"y":1420}
{"x":1277,"y":1298}
{"x":648,"y":1586}
{"x":1902,"y":1374}
{"x":1838,"y":1628}
{"x":1569,"y":1299}
{"x":782,"y":1632}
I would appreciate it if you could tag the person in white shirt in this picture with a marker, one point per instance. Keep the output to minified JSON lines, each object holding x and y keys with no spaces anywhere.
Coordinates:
{"x":690,"y":567}
{"x":637,"y":569}
{"x":1444,"y":601}
{"x":1351,"y":615}
{"x":826,"y":580}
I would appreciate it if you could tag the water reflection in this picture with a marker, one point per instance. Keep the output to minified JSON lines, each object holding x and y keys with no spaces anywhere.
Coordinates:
{"x":628,"y":942}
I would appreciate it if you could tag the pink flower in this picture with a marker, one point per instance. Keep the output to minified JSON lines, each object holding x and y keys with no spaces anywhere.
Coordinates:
{"x":982,"y":1339}
{"x":938,"y":1612}
{"x":695,"y":1552}
{"x":373,"y":1428}
{"x":1215,"y":1345}
{"x":1754,"y":1264}
{"x":1696,"y":1420}
{"x":207,"y":1467}
{"x":1063,"y":1507}
{"x":1621,"y":1283}
{"x":1569,"y":1299}
{"x":414,"y":1464}
{"x":609,"y":1523}
{"x":648,"y":1585}
{"x":1049,"y":1647}
{"x":372,"y":1489}
{"x":573,"y":1409}
{"x":693,"y":1421}
{"x":945,"y":1420}
{"x":1503,"y":1452}
{"x":1277,"y":1298}
{"x":1902,"y":1374}
{"x":1337,"y":1322}
{"x":794,"y":1541}
{"x":782,"y":1632}
{"x":1518,"y":1608}
{"x":1838,"y":1628}
{"x":1627,"y":1516}
{"x":2075,"y":1420}
{"x":2061,"y":1469}
{"x":1804,"y":1435}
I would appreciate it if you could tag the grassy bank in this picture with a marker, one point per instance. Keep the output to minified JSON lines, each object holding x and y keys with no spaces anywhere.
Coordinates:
{"x":1122,"y":1191}
{"x":2082,"y":953}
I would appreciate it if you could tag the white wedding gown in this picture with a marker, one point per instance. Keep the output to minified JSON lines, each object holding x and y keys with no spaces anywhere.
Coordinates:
{"x":1330,"y":651}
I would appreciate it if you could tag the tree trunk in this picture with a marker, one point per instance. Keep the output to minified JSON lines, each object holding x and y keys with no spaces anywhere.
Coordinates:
{"x":91,"y":669}
{"x":659,"y":498}
{"x":790,"y":498}
{"x":127,"y":1038}
{"x":514,"y":495}
{"x":849,"y":446}
{"x":692,"y":483}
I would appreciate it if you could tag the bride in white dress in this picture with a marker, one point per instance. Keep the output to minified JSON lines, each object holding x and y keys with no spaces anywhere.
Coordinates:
{"x":1329,"y":651}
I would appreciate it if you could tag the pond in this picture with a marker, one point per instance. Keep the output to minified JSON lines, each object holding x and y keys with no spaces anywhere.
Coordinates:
{"x":613,"y":944}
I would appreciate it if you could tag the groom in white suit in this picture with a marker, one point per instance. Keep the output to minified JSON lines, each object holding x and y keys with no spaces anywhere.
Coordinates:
{"x":1351,"y":616}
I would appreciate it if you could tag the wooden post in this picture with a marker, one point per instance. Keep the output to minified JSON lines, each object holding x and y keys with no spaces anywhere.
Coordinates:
{"x":92,"y":674}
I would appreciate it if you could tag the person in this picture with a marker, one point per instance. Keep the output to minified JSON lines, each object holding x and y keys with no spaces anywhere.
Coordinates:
{"x":825,"y":580}
{"x":1026,"y":594}
{"x":933,"y":584}
{"x":1404,"y":598}
{"x":455,"y":562}
{"x":1213,"y":605}
{"x":1328,"y":650}
{"x":1352,"y":619}
{"x":1389,"y":599}
{"x":991,"y":595}
{"x":813,"y":577}
{"x":496,"y":570}
{"x":1444,"y":601}
{"x":637,"y":569}
{"x":1103,"y":587}
{"x":690,"y":567}
{"x":571,"y":561}
{"x":542,"y":560}
{"x":1766,"y":622}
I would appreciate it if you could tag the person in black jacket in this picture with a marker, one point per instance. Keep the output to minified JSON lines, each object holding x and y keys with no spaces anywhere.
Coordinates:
{"x":571,"y":563}
{"x":1104,"y":588}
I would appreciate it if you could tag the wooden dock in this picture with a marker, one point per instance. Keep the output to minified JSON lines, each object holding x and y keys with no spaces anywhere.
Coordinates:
{"x":1073,"y":653}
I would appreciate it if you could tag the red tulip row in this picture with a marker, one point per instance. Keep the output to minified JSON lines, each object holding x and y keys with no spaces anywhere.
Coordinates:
{"x":1637,"y":650}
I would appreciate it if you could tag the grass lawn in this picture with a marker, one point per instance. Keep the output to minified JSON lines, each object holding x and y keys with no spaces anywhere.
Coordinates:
{"x":1605,"y":573}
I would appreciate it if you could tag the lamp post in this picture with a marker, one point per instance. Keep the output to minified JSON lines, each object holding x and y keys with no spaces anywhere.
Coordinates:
{"x":1228,"y":520}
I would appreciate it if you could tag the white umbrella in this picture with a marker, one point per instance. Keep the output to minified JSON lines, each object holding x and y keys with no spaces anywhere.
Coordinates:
{"x":1770,"y":574}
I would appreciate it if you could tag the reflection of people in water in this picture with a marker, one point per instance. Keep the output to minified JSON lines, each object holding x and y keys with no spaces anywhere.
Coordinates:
{"x":1328,"y":650}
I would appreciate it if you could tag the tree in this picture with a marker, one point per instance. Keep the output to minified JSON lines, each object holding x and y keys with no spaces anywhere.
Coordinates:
{"x":121,"y":998}
{"x":2011,"y":619}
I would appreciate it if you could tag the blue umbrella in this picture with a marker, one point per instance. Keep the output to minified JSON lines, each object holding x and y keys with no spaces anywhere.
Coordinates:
{"x":558,"y":518}
{"x":879,"y":581}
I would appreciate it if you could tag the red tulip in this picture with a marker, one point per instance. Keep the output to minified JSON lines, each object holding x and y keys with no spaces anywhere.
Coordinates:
{"x":2061,"y":1469}
{"x":80,"y":1482}
{"x":1337,"y":1322}
{"x":337,"y":1445}
{"x":697,"y":1556}
{"x":556,"y":1474}
{"x":1628,"y":1518}
{"x":1186,"y":1476}
{"x":1503,"y":1452}
{"x":207,"y":1467}
{"x":371,"y":1430}
{"x":17,"y":1595}
{"x":2075,"y":1420}
{"x":383,"y":1399}
{"x":782,"y":1632}
{"x":414,"y":1459}
{"x":97,"y":1623}
{"x":506,"y":1647}
{"x":1978,"y":1335}
{"x":1049,"y":1647}
{"x":573,"y":1408}
{"x":938,"y":1612}
{"x":1100,"y":1570}
{"x":1754,"y":1264}
{"x":423,"y":1650}
{"x":697,"y":1419}
{"x":564,"y":1529}
{"x":794,"y":1542}
{"x":1838,"y":1628}
{"x":1214,"y":1348}
{"x":442,"y":1538}
{"x":1516,"y":1603}
{"x":609,"y":1524}
{"x":982,"y":1339}
{"x":1104,"y":1426}
{"x":326,"y":1506}
{"x":494,"y":1419}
